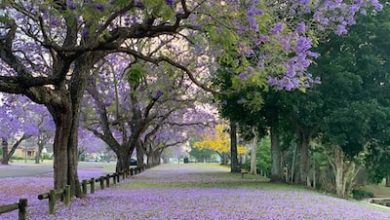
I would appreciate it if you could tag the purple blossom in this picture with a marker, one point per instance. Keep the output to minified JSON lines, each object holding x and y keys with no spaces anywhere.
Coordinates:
{"x":100,"y":7}
{"x":170,"y":2}
{"x":301,"y":27}
{"x":303,"y":44}
{"x":85,"y":33}
{"x":159,"y":93}
{"x":71,"y":5}
{"x":243,"y":76}
{"x":341,"y":29}
{"x":261,"y":40}
{"x":277,"y":28}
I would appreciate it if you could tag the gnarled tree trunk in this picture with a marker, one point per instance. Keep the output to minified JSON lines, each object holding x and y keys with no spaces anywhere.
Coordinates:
{"x":123,"y":158}
{"x":63,"y":121}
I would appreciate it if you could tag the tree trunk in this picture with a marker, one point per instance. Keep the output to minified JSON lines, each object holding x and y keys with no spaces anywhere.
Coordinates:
{"x":122,"y":161}
{"x":314,"y":173}
{"x":293,"y":164}
{"x":4,"y":145}
{"x":65,"y":146}
{"x":388,"y":181}
{"x":39,"y":153}
{"x":276,"y":154}
{"x":253,"y":154}
{"x":63,"y":123}
{"x":140,"y":155}
{"x":8,"y":154}
{"x":149,"y":158}
{"x":156,"y":158}
{"x":304,"y":162}
{"x":234,"y":165}
{"x":339,"y":171}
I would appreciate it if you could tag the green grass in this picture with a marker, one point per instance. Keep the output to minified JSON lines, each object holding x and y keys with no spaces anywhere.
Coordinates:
{"x":220,"y":180}
{"x":380,"y":191}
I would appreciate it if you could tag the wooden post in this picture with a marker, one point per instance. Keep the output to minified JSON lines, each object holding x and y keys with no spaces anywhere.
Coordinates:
{"x":123,"y":175}
{"x":52,"y":201}
{"x":84,"y":187}
{"x":131,"y":172}
{"x":23,"y":209}
{"x":92,"y":185}
{"x":114,"y":178}
{"x":67,"y":195}
{"x":101,"y":179}
{"x":108,"y":180}
{"x":118,"y":178}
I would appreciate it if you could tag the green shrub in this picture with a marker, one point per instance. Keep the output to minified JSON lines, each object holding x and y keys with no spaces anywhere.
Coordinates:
{"x":359,"y":194}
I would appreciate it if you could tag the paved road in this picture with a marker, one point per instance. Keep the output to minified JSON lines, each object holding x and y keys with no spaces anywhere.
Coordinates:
{"x":30,"y":169}
{"x":24,"y":170}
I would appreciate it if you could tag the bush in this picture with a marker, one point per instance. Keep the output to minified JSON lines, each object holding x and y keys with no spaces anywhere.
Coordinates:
{"x":359,"y":194}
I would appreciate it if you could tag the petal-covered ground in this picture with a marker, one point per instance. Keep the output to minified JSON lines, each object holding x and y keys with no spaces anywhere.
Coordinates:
{"x":204,"y":192}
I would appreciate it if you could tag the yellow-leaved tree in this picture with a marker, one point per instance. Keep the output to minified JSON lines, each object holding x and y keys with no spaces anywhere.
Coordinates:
{"x":219,"y":142}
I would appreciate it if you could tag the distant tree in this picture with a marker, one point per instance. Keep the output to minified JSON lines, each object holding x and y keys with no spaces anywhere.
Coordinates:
{"x":219,"y":142}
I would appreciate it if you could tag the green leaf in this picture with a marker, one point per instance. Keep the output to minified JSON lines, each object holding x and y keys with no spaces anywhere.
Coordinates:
{"x":135,"y":73}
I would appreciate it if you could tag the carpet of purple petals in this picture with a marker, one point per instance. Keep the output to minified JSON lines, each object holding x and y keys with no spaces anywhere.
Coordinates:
{"x":189,"y":192}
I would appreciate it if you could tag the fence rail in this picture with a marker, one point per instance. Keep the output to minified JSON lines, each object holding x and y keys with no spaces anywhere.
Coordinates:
{"x":21,"y":206}
{"x":104,"y":182}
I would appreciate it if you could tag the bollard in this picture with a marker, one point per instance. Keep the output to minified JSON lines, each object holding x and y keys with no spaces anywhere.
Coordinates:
{"x":84,"y":187}
{"x":23,"y":209}
{"x":67,"y":195}
{"x":92,"y":185}
{"x":101,"y":179}
{"x":108,"y":180}
{"x":52,"y":201}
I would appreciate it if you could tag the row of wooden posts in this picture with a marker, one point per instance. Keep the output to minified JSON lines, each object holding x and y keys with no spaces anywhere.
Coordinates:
{"x":104,"y":181}
{"x":64,"y":194}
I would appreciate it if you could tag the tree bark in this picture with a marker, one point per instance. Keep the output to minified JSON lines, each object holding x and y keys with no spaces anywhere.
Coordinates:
{"x":234,"y":165}
{"x":122,"y":161}
{"x":253,"y":154}
{"x":293,"y":164}
{"x":8,"y":154}
{"x":149,"y":158}
{"x":4,"y":145}
{"x":63,"y":122}
{"x":388,"y":181}
{"x":39,"y":152}
{"x":339,"y":171}
{"x":156,"y":158}
{"x":140,"y":155}
{"x":314,"y":173}
{"x":276,"y":153}
{"x":304,"y":160}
